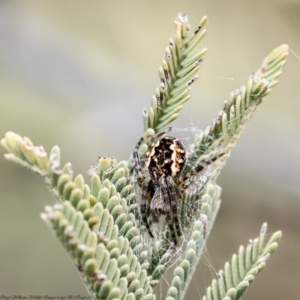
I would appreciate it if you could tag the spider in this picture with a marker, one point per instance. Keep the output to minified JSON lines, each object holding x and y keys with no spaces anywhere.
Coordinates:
{"x":162,"y":178}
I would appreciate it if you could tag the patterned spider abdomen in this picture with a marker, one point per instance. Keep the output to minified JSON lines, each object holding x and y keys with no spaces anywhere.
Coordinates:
{"x":166,"y":157}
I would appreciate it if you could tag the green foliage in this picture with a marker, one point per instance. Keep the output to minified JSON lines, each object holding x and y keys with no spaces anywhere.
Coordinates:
{"x":227,"y":127}
{"x":99,"y":223}
{"x":177,"y":73}
{"x":236,"y":277}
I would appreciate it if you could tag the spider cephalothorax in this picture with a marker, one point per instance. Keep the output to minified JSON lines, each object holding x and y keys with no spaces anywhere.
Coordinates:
{"x":162,"y":181}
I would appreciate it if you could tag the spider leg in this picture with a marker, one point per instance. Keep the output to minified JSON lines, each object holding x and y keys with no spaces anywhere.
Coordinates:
{"x":144,"y":184}
{"x":171,"y":227}
{"x":169,"y":195}
{"x":174,"y":194}
{"x":145,"y":187}
{"x":202,"y":165}
{"x":163,"y":133}
{"x":175,"y":213}
{"x":138,"y":167}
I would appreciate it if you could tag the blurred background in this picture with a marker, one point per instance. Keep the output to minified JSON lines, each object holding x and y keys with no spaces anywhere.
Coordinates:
{"x":78,"y":74}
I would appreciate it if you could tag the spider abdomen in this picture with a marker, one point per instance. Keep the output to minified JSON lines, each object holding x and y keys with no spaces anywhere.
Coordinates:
{"x":166,"y":157}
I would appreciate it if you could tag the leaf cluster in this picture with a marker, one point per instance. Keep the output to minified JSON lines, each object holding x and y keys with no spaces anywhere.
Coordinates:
{"x":99,"y":224}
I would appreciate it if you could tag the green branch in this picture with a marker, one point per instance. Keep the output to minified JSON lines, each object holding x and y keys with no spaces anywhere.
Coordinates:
{"x":177,"y":73}
{"x":236,"y":277}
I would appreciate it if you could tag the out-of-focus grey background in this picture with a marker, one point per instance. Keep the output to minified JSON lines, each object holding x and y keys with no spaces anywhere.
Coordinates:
{"x":78,"y":73}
